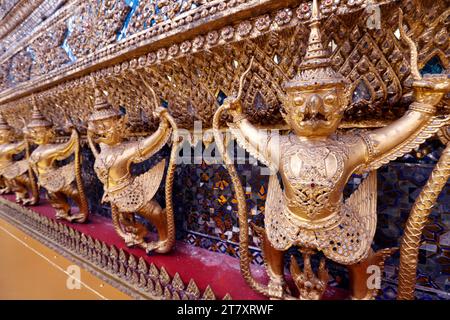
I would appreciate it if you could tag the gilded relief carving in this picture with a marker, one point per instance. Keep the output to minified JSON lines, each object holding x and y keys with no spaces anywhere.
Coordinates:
{"x":60,"y":181}
{"x":48,"y":52}
{"x":316,"y":69}
{"x":16,"y":175}
{"x":285,"y":18}
{"x":127,"y":194}
{"x":20,"y":67}
{"x":374,"y":61}
{"x":314,"y":162}
{"x":95,"y":25}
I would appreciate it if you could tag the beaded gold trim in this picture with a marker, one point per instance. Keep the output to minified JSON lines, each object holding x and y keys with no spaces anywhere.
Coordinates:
{"x":423,"y":108}
{"x":369,"y":145}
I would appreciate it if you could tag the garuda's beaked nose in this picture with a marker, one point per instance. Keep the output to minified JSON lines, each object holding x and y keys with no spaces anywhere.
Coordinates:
{"x":314,"y":104}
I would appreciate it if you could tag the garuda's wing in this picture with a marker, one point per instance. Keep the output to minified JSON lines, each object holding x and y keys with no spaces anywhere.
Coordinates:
{"x":139,"y":192}
{"x":280,"y":232}
{"x":364,"y":203}
{"x":415,"y":140}
{"x":151,"y":180}
{"x":16,"y":169}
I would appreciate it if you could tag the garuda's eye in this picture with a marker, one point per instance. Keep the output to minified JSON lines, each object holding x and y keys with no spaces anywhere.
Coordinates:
{"x":330,"y":99}
{"x":299,"y":100}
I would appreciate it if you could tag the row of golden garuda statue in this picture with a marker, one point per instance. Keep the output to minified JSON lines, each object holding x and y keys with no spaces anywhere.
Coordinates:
{"x":310,"y":167}
{"x":57,"y":168}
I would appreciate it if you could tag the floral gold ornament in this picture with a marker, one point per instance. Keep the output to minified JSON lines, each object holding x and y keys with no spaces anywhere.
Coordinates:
{"x":60,"y":181}
{"x":17,"y":176}
{"x":314,"y":162}
{"x":129,"y":194}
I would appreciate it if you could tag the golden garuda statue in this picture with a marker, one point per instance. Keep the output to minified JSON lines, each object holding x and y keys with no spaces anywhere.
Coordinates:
{"x":60,"y":181}
{"x":17,"y":176}
{"x":128,"y":194}
{"x":311,"y":166}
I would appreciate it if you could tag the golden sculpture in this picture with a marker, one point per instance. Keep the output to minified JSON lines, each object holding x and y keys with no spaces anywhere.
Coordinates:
{"x":409,"y":250}
{"x":315,"y":162}
{"x":16,"y":176}
{"x":61,"y":182}
{"x":130,"y":194}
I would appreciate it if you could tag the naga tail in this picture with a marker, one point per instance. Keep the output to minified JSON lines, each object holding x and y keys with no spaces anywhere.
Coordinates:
{"x":33,"y":183}
{"x":409,"y":249}
{"x":170,"y":219}
{"x":245,"y":257}
{"x":84,"y":207}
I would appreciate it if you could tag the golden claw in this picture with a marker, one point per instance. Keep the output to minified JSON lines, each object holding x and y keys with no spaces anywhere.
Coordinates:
{"x":131,"y":240}
{"x":310,"y":286}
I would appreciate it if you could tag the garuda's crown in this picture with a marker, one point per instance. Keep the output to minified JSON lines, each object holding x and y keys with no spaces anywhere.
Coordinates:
{"x":102,"y":108}
{"x":315,"y":69}
{"x":37,"y":118}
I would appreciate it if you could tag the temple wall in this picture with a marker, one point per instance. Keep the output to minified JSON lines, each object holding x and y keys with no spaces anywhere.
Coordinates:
{"x":192,"y":51}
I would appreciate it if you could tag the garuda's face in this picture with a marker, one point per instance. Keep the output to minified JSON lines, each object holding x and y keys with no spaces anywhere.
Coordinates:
{"x":107,"y":131}
{"x":41,"y":135}
{"x":6,"y":136}
{"x":315,"y":112}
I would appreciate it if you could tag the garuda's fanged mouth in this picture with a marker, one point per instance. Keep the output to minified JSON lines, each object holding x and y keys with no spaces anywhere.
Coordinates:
{"x":99,"y":136}
{"x":314,"y":117}
{"x":317,"y":119}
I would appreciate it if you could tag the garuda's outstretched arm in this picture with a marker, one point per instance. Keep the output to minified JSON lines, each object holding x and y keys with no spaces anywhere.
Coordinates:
{"x":91,"y":144}
{"x":150,"y":145}
{"x":64,"y":150}
{"x":418,"y":124}
{"x":259,"y":143}
{"x":15,"y":148}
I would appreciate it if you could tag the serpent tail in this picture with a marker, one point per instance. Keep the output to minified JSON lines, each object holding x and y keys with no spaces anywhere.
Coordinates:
{"x":84,"y":207}
{"x":245,"y":257}
{"x":167,"y":245}
{"x":417,"y":220}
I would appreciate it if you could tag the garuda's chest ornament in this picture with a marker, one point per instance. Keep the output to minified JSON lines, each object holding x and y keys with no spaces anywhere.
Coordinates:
{"x":312,"y":171}
{"x":60,"y":181}
{"x":311,"y":166}
{"x":130,"y":194}
{"x":312,"y":174}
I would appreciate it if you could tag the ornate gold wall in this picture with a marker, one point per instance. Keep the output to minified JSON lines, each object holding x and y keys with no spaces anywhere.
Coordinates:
{"x":192,"y":53}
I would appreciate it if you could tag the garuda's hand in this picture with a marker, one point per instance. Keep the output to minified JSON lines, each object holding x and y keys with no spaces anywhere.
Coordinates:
{"x":431,"y":89}
{"x":159,"y":112}
{"x":68,"y":125}
{"x":234,"y":106}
